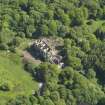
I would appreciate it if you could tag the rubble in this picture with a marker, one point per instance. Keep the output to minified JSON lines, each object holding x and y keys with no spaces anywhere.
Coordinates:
{"x":48,"y":52}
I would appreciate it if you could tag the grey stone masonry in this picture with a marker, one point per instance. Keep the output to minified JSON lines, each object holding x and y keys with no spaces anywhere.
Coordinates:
{"x":47,"y":51}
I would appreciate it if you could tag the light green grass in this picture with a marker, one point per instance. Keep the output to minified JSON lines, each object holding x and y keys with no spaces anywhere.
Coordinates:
{"x":11,"y":70}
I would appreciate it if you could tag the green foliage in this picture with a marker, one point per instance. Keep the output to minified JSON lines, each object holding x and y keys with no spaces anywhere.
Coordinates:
{"x":91,"y":74}
{"x":20,"y":100}
{"x":49,"y":74}
{"x":44,"y":30}
{"x":79,"y":15}
{"x":47,"y":102}
{"x":100,"y":33}
{"x":52,"y":27}
{"x":3,"y":46}
{"x":80,"y":24}
{"x":6,"y":86}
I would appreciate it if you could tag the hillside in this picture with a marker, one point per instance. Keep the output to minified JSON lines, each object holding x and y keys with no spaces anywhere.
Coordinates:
{"x":52,"y":52}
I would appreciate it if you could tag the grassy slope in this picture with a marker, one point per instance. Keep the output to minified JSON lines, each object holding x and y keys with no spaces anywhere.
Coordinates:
{"x":11,"y":70}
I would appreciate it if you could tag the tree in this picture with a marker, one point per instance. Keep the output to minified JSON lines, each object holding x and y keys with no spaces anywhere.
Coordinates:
{"x":79,"y":16}
{"x":86,"y":91}
{"x":60,"y":102}
{"x":62,"y":91}
{"x":47,"y":101}
{"x":91,"y":74}
{"x":101,"y":102}
{"x":48,"y":74}
{"x":6,"y":86}
{"x":30,"y":30}
{"x":63,"y":30}
{"x":52,"y":27}
{"x":100,"y":32}
{"x":74,"y":62}
{"x":92,"y":6}
{"x":55,"y":96}
{"x":3,"y":46}
{"x":20,"y":100}
{"x":70,"y":100}
{"x":33,"y":100}
{"x":66,"y":77}
{"x":85,"y":45}
{"x":44,"y":30}
{"x":65,"y":19}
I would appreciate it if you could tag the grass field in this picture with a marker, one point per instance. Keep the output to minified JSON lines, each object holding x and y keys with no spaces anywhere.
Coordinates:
{"x":12,"y":72}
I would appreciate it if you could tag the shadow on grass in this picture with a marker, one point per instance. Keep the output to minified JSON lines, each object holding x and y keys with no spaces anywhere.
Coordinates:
{"x":35,"y":53}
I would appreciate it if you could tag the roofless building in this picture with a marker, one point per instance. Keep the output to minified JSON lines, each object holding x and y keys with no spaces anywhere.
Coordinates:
{"x":47,"y":52}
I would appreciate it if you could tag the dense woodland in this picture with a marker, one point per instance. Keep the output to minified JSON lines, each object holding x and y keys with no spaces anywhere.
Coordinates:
{"x":81,"y":24}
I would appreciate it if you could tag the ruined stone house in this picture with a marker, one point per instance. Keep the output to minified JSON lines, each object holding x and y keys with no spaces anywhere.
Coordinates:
{"x":48,"y":52}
